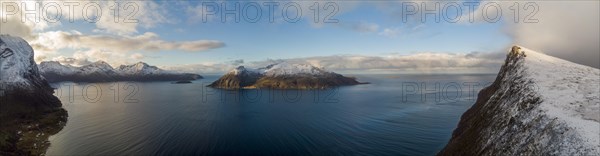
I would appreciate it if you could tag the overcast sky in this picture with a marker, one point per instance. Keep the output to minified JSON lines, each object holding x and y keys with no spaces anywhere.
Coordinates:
{"x":349,"y":36}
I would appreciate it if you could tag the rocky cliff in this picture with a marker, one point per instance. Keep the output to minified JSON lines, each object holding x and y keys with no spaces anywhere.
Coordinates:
{"x":538,"y":105}
{"x":20,"y":78}
{"x":29,"y":113}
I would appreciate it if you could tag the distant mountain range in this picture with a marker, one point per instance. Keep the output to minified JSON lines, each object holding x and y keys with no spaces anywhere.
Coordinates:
{"x":282,"y":76}
{"x":101,"y":71}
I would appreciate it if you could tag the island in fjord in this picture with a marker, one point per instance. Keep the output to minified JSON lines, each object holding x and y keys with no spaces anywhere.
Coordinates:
{"x":282,"y":76}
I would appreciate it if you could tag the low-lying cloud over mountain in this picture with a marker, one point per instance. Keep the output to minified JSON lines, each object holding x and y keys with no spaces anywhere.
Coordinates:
{"x":117,"y":49}
{"x":474,"y":62}
{"x":563,"y":32}
{"x":564,"y":29}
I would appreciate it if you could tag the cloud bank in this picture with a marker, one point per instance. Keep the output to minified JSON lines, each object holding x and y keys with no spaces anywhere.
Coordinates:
{"x":116,"y":38}
{"x":56,"y":40}
{"x":568,"y":30}
{"x":564,"y":29}
{"x":112,"y":49}
{"x":426,"y":62}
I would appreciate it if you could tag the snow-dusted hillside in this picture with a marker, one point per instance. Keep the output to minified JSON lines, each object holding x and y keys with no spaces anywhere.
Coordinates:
{"x":101,"y":71}
{"x":538,"y":105}
{"x":17,"y":67}
{"x":141,"y":68}
{"x":282,"y":69}
{"x":29,"y":112}
{"x":22,"y":89}
{"x":57,"y":67}
{"x":282,"y":76}
{"x":98,"y":67}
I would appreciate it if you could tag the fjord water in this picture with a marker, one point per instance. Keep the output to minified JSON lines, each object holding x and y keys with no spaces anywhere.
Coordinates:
{"x":390,"y":116}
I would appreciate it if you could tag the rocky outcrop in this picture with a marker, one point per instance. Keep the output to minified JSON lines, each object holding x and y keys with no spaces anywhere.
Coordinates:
{"x":282,"y":76}
{"x":29,"y":113}
{"x":20,"y":78}
{"x":237,"y":78}
{"x":538,"y":105}
{"x":102,"y":72}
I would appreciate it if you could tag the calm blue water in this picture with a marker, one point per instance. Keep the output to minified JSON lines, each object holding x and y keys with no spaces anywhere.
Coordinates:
{"x":388,"y":117}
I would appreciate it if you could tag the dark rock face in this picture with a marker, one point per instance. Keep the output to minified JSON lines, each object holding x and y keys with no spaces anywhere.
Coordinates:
{"x":506,"y":120}
{"x":305,"y":82}
{"x":466,"y":139}
{"x":236,"y":80}
{"x":25,"y":130}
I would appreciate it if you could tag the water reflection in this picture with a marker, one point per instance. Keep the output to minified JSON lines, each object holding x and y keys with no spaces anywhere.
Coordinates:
{"x":192,"y":119}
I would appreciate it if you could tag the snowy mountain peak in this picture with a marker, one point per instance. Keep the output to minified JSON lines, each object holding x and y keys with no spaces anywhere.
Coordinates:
{"x":101,"y":64}
{"x":282,"y":69}
{"x":97,"y":67}
{"x":538,"y":105}
{"x":145,"y":66}
{"x":570,"y":92}
{"x":18,"y":70}
{"x":50,"y":64}
{"x":139,"y":68}
{"x":285,"y":68}
{"x":102,"y":72}
{"x":54,"y":66}
{"x":238,"y":70}
{"x":282,"y":76}
{"x":141,"y":64}
{"x":243,"y":70}
{"x":54,"y":63}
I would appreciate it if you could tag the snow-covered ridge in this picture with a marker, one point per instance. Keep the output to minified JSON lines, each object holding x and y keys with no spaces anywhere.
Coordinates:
{"x":141,"y":68}
{"x":57,"y":67}
{"x":17,"y":67}
{"x":538,"y":105}
{"x":570,"y":91}
{"x":103,"y":72}
{"x":102,"y":67}
{"x":282,"y":69}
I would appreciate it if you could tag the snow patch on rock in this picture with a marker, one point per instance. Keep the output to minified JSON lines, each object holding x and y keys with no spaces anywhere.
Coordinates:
{"x":17,"y":67}
{"x":282,"y":69}
{"x":538,"y":105}
{"x":570,"y":93}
